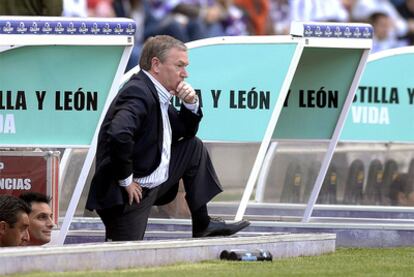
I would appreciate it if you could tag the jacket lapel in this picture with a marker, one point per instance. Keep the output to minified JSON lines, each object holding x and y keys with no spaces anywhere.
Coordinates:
{"x":158,"y":118}
{"x":141,"y":75}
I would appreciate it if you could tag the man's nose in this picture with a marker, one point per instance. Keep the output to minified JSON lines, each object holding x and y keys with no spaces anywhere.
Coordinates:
{"x":184,"y":73}
{"x":50,"y":223}
{"x":26,"y":236}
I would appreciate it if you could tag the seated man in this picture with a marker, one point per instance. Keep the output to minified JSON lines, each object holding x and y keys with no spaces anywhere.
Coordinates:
{"x":40,"y":218}
{"x":402,"y":191}
{"x":145,"y":146}
{"x":14,"y":221}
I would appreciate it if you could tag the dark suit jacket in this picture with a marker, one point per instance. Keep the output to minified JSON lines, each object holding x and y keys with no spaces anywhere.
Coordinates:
{"x":130,"y":140}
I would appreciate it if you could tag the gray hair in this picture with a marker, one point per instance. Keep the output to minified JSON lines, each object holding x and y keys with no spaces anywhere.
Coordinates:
{"x":158,"y":46}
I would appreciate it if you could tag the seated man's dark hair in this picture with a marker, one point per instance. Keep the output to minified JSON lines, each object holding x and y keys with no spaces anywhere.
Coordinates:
{"x":10,"y":207}
{"x":30,"y":197}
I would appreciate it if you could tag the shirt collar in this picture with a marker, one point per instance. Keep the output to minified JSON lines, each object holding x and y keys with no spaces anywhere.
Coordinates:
{"x":163,"y":93}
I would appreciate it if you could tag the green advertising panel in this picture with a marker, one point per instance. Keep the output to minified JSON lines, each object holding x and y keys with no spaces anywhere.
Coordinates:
{"x":57,"y":74}
{"x":239,"y":85}
{"x":54,"y":95}
{"x":383,"y":107}
{"x":317,"y":93}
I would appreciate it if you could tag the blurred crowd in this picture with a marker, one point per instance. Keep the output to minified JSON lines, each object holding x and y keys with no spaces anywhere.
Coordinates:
{"x":393,"y":20}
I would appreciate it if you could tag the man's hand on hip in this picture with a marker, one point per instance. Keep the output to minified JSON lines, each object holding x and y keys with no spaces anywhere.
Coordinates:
{"x":134,"y":191}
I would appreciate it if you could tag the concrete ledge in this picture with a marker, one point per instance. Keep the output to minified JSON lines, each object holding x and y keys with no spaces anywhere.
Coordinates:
{"x":117,"y":255}
{"x":357,"y":232}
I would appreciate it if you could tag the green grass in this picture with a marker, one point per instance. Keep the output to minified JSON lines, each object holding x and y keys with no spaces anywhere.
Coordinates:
{"x":344,"y":262}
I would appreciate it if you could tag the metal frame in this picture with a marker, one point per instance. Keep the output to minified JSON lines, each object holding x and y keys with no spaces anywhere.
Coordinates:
{"x":335,"y":138}
{"x":70,"y":212}
{"x":269,"y":131}
{"x":264,"y":159}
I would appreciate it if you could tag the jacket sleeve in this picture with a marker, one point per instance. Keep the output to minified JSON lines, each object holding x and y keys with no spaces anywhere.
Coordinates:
{"x":130,"y":112}
{"x":184,"y":123}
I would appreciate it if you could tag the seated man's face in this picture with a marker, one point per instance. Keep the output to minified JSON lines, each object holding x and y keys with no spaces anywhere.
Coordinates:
{"x":41,"y":223}
{"x":17,"y":234}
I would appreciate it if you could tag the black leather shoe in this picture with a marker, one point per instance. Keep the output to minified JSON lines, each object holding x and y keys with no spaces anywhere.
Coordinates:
{"x":218,"y":227}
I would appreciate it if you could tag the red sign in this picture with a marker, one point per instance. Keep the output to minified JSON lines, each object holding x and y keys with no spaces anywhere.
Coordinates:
{"x":30,"y":172}
{"x":20,"y":174}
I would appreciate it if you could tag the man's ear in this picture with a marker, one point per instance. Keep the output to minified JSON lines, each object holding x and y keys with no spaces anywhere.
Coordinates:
{"x":155,"y":63}
{"x":3,"y":227}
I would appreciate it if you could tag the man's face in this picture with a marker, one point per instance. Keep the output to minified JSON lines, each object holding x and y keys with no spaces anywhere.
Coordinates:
{"x":18,"y":234}
{"x":41,"y":223}
{"x":382,"y":27}
{"x":172,"y":71}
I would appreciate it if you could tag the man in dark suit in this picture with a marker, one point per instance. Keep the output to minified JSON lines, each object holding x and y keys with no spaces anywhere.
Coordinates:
{"x":146,"y":146}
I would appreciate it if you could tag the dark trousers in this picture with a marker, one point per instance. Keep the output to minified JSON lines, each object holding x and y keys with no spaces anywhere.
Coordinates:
{"x":190,"y":161}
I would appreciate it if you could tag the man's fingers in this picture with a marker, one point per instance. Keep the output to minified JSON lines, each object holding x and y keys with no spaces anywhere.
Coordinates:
{"x":184,"y":87}
{"x":186,"y":93}
{"x":138,"y":196}
{"x":131,"y":198}
{"x":134,"y":193}
{"x":180,"y":86}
